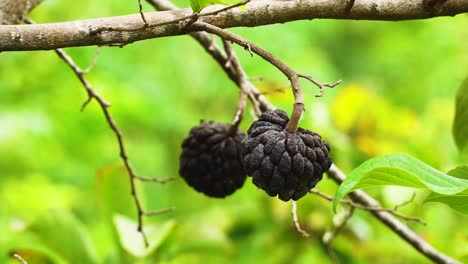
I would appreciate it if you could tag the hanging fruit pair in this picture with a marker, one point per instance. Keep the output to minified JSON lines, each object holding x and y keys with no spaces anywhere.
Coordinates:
{"x":216,"y":158}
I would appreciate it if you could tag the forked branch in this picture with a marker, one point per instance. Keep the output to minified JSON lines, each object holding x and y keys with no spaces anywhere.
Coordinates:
{"x":104,"y":105}
{"x":292,"y":75}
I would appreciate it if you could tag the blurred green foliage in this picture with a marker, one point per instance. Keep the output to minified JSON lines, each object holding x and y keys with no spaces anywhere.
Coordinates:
{"x":65,"y":196}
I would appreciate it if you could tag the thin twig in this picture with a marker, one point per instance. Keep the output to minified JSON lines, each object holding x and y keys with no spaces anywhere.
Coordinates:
{"x":296,"y":219}
{"x":189,"y":20}
{"x":275,"y":90}
{"x":369,"y":208}
{"x":229,"y":53}
{"x":405,"y":202}
{"x":153,"y":179}
{"x":239,"y":113}
{"x":339,"y":225}
{"x":80,"y":74}
{"x":241,"y":77}
{"x":92,"y":94}
{"x":193,"y":17}
{"x":243,"y":94}
{"x":140,"y":7}
{"x":321,"y":86}
{"x":19,"y":258}
{"x":94,"y":63}
{"x":158,"y":212}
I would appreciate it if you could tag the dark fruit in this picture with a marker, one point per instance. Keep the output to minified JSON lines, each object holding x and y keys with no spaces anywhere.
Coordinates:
{"x":210,"y":160}
{"x":282,"y":163}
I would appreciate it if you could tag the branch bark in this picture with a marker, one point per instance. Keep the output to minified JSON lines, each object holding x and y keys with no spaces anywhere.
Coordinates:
{"x":14,"y":11}
{"x":123,"y":30}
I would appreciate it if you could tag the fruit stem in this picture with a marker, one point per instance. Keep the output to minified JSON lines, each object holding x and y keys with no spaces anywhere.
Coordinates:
{"x":239,"y":114}
{"x":298,"y":107}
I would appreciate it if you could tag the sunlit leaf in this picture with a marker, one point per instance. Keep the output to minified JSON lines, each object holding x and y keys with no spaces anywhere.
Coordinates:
{"x":29,"y":247}
{"x":198,"y":5}
{"x":22,"y":194}
{"x":38,"y":254}
{"x":460,"y":123}
{"x":399,"y":170}
{"x":66,"y":235}
{"x":458,"y":202}
{"x":132,"y":240}
{"x":460,"y":172}
{"x":111,"y":182}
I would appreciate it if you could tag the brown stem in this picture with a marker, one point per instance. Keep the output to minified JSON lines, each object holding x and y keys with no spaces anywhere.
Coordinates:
{"x":372,"y":208}
{"x":239,"y":114}
{"x":293,"y":76}
{"x":153,"y":179}
{"x":92,"y":94}
{"x":296,"y":219}
{"x":142,"y":15}
{"x":329,"y":236}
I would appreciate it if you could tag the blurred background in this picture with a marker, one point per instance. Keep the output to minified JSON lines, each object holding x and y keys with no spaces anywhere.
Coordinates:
{"x":65,"y":196}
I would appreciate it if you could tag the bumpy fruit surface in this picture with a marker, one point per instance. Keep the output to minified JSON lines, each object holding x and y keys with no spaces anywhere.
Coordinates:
{"x":282,"y":163}
{"x":210,"y":160}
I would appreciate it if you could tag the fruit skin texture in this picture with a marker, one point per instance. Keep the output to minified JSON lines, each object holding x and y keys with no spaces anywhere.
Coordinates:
{"x":282,"y":163}
{"x":210,"y":160}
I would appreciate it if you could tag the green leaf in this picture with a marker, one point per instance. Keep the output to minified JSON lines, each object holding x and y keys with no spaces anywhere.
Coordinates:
{"x":111,"y":182}
{"x":458,"y":202}
{"x":198,"y":5}
{"x":63,"y":233}
{"x":30,"y":248}
{"x":202,"y":239}
{"x":460,"y":123}
{"x":132,"y":241}
{"x":460,"y":172}
{"x":399,"y":170}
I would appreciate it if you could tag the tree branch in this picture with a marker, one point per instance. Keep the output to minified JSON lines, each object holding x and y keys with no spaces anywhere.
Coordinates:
{"x":123,"y":30}
{"x":358,"y":196}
